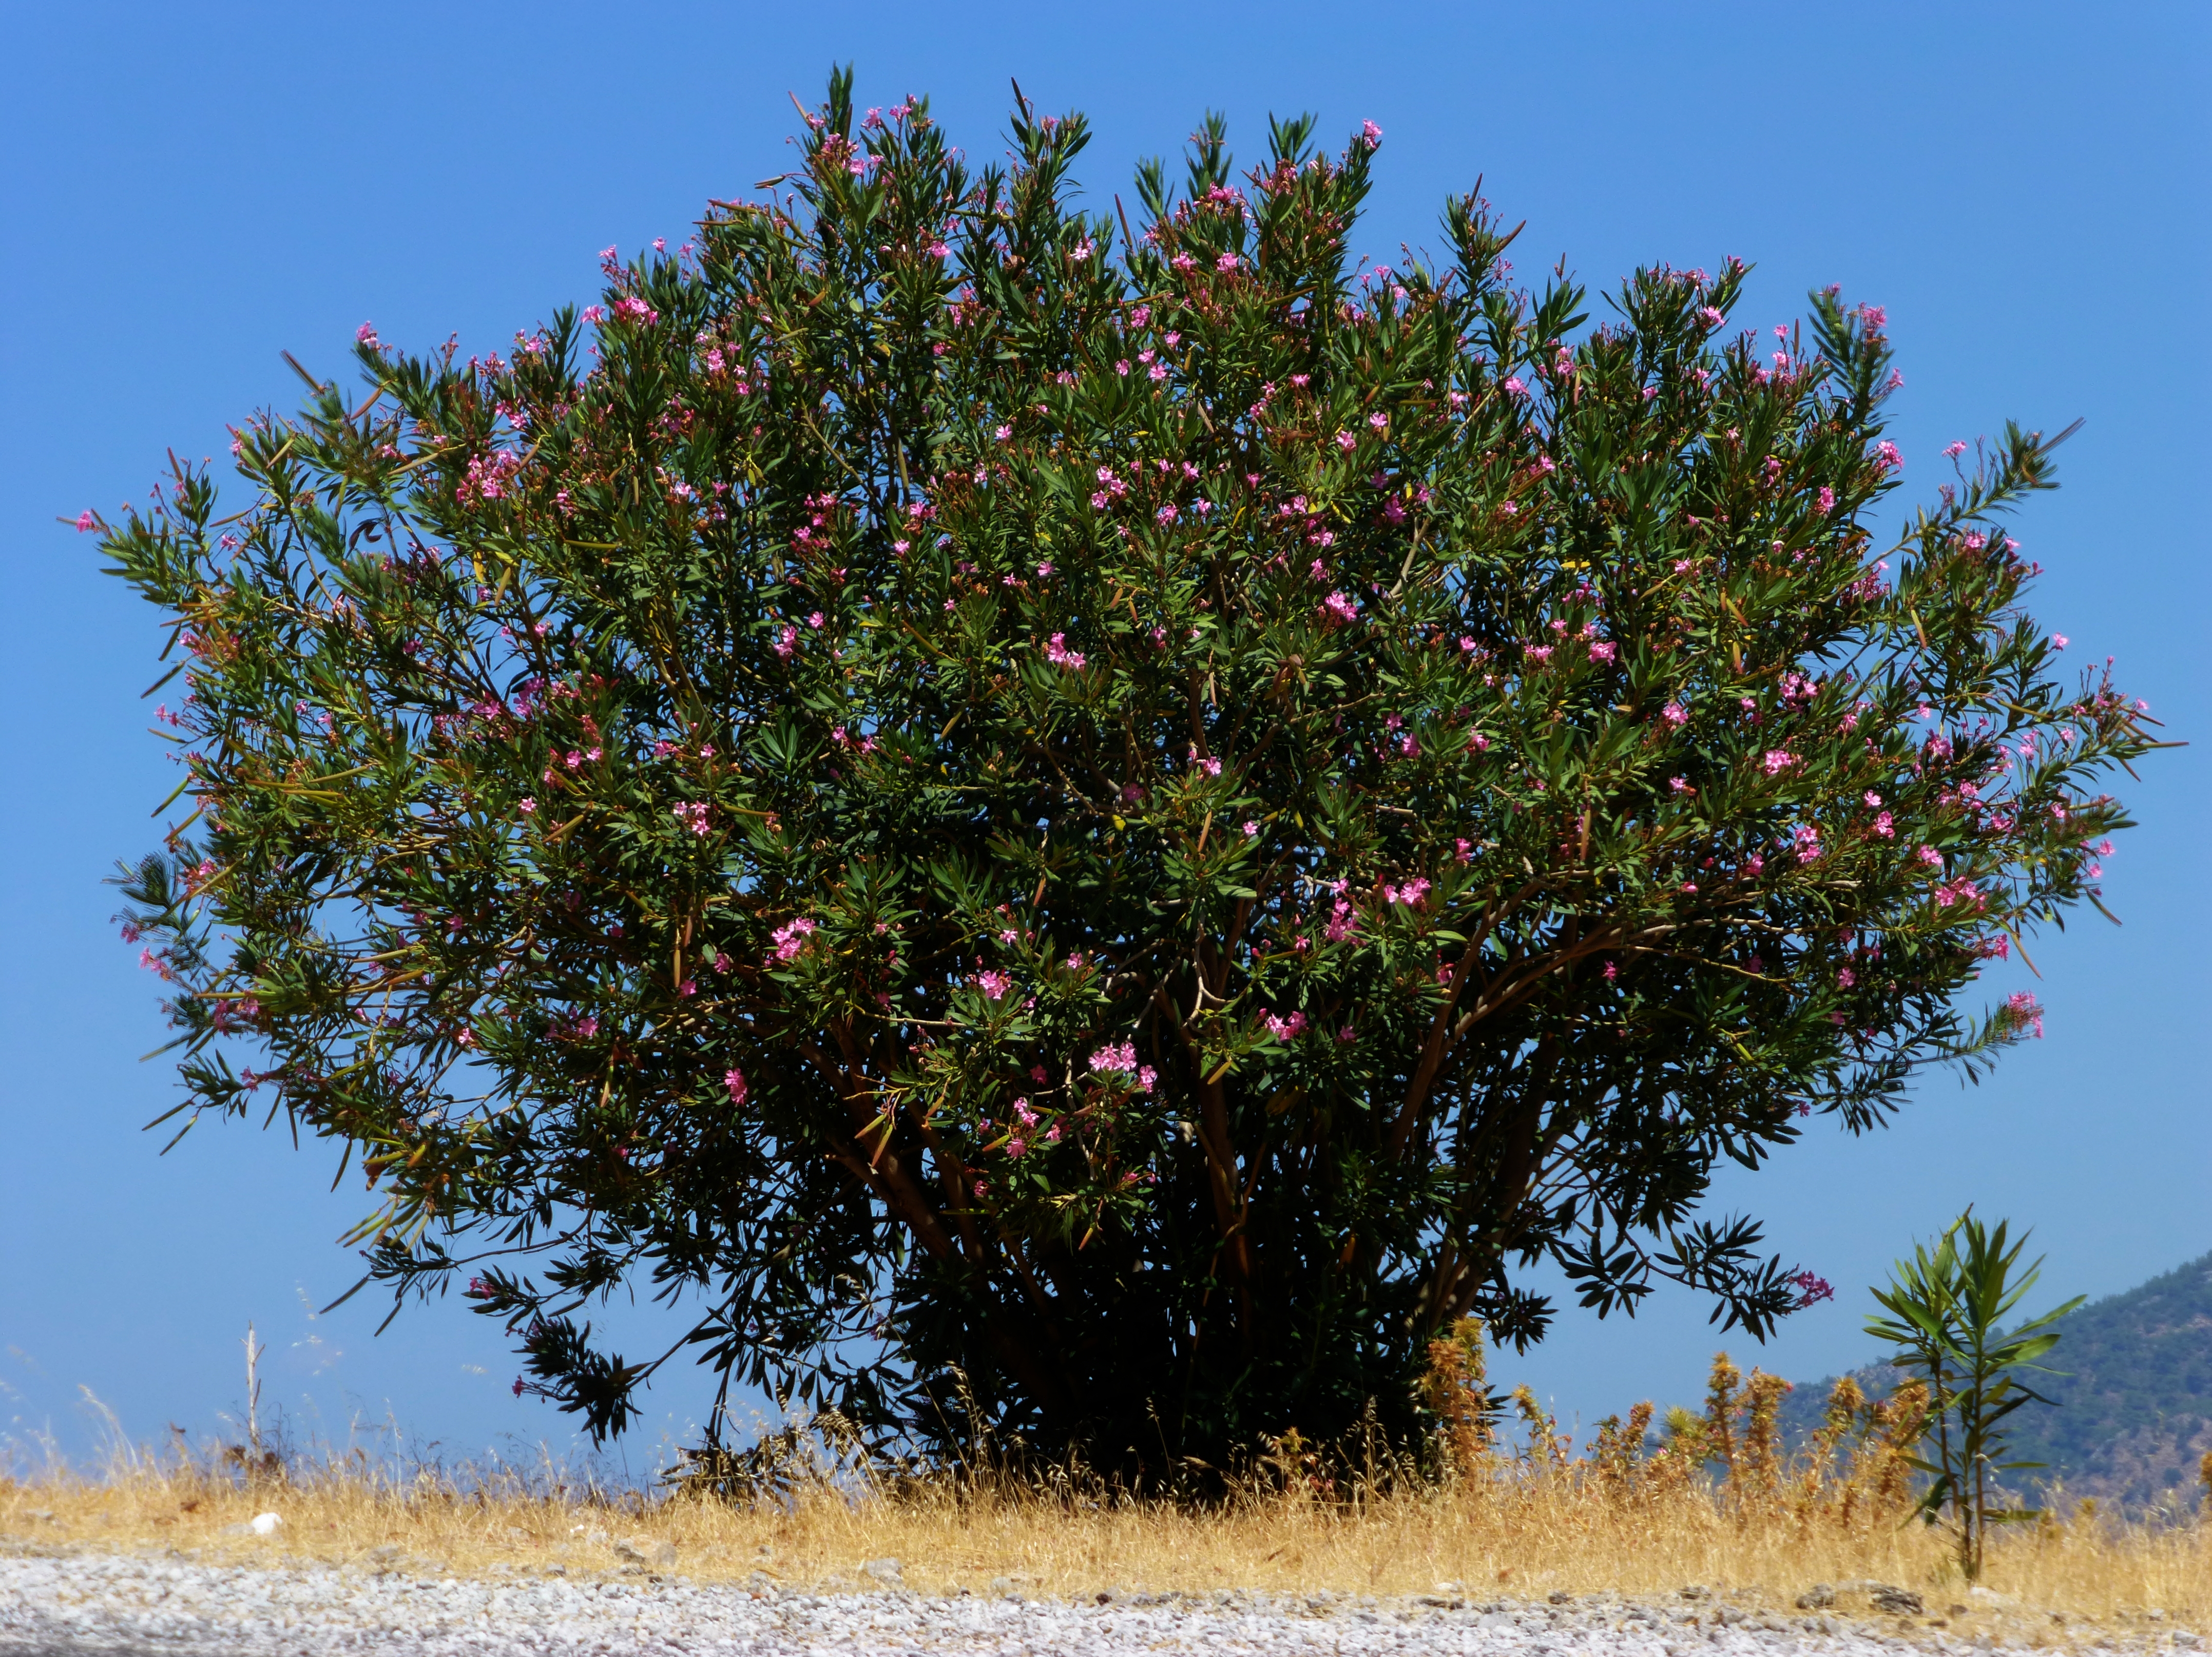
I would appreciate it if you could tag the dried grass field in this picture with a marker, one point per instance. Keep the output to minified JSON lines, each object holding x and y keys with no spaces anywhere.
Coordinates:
{"x":1717,"y":1512}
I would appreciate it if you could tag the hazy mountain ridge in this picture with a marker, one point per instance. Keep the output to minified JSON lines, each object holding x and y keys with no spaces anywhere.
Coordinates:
{"x":2134,"y":1405}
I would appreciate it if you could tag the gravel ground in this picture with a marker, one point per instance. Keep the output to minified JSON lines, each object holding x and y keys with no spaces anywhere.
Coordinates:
{"x":52,"y":1602}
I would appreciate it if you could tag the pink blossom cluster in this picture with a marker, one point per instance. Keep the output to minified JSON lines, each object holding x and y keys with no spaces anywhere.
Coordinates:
{"x":693,"y":815}
{"x":791,"y":937}
{"x":1285,"y":1029}
{"x":1960,"y":891}
{"x":1121,"y":1059}
{"x":1812,"y":1290}
{"x":489,"y":476}
{"x":1057,"y":653}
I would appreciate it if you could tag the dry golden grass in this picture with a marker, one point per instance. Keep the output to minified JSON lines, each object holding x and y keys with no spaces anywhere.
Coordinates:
{"x":1720,"y":1504}
{"x":1518,"y":1538}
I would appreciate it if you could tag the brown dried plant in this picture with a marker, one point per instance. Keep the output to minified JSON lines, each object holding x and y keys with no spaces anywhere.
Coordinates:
{"x":1455,"y":1390}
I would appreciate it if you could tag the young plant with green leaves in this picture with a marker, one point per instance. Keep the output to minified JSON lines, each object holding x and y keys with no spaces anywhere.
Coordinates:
{"x":1947,"y":1306}
{"x":1136,"y":817}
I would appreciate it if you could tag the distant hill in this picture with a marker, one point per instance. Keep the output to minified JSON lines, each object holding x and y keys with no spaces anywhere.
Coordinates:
{"x":2134,"y":1414}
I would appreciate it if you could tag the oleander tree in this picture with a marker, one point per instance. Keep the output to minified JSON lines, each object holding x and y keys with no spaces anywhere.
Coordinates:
{"x":1106,"y":819}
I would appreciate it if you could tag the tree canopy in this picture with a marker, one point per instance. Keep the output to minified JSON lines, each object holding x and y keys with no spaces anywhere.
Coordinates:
{"x":1122,"y":819}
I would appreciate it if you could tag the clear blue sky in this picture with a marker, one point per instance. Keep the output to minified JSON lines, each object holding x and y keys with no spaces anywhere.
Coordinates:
{"x":189,"y":190}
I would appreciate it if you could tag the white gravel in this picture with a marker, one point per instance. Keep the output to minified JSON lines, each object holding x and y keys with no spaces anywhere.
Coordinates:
{"x":52,"y":1602}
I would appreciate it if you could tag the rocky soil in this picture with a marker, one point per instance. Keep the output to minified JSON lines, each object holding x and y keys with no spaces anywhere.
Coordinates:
{"x":55,"y":1601}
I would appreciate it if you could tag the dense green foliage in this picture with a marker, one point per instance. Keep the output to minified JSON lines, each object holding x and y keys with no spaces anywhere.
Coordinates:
{"x":1134,"y":822}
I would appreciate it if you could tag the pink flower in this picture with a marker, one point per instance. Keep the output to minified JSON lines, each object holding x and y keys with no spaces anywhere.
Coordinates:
{"x":1603,"y":651}
{"x":1887,"y":458}
{"x":1674,"y":714}
{"x":993,"y":984}
{"x":1778,"y":760}
{"x":1059,"y":655}
{"x":1828,"y":500}
{"x":791,"y":937}
{"x":2058,"y":640}
{"x":1115,"y":1059}
{"x":527,"y":807}
{"x":1514,"y":387}
{"x":1952,"y":451}
{"x":2021,"y":1010}
{"x":1931,"y":856}
{"x":1287,"y":1029}
{"x":1960,"y":891}
{"x":1338,"y":611}
{"x":1251,"y":828}
{"x":85,"y":520}
{"x":1811,"y":1289}
{"x":366,"y":335}
{"x":1369,"y":134}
